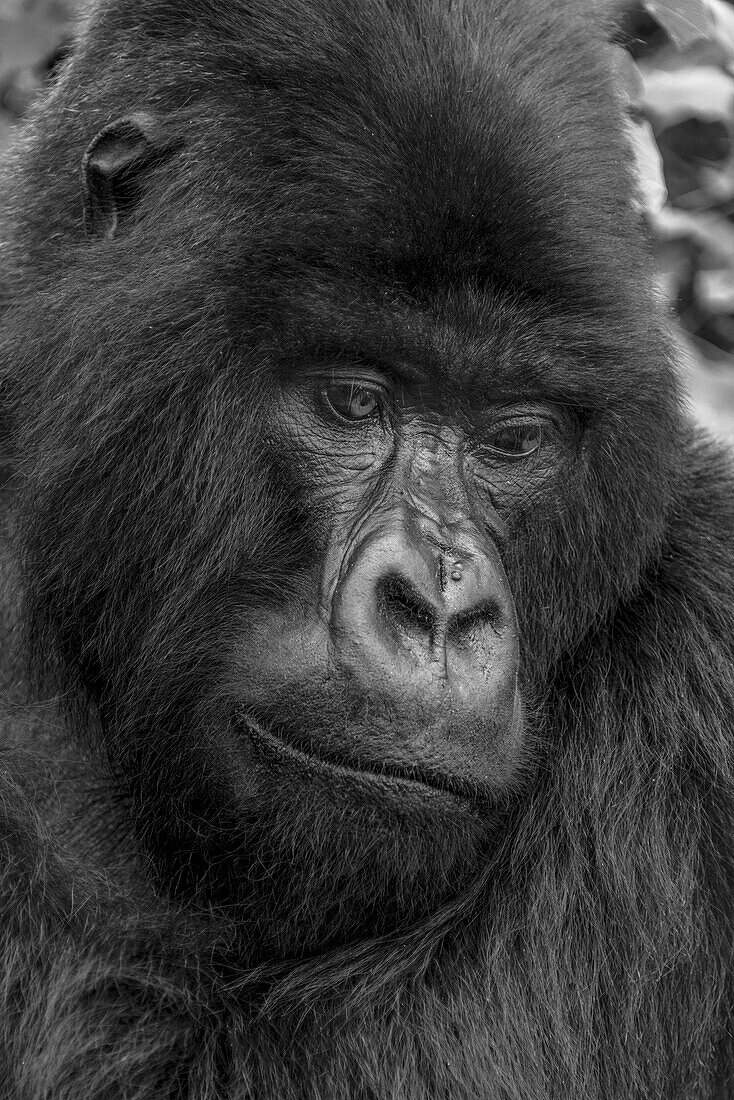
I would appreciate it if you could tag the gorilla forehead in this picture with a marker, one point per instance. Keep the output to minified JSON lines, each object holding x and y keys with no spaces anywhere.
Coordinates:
{"x":401,"y":134}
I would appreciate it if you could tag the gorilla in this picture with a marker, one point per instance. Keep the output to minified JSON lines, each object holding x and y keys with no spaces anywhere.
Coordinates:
{"x":368,"y":597}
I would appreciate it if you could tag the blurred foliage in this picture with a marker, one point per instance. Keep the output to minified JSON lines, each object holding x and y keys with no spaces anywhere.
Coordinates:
{"x":687,"y":94}
{"x":677,"y":72}
{"x":33,"y":34}
{"x":682,"y":93}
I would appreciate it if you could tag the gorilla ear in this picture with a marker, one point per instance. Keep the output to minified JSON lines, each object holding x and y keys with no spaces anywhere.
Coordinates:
{"x":114,"y":169}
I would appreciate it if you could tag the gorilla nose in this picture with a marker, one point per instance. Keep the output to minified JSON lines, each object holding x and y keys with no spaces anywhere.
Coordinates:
{"x":413,"y":619}
{"x":452,"y":609}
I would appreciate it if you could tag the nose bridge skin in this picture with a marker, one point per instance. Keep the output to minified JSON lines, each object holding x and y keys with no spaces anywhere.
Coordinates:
{"x":437,"y":520}
{"x":431,"y":484}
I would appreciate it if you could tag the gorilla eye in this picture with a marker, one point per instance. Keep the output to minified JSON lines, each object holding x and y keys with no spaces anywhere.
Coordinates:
{"x":518,"y":439}
{"x":353,"y":400}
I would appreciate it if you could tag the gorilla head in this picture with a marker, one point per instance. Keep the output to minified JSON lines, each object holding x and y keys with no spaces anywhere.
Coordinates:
{"x":343,"y":424}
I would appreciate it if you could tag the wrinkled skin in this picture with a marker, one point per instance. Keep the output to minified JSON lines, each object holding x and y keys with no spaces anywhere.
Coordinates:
{"x":369,"y":677}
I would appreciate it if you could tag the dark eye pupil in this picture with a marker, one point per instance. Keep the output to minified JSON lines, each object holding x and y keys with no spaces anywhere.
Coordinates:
{"x":516,"y":439}
{"x":352,"y":401}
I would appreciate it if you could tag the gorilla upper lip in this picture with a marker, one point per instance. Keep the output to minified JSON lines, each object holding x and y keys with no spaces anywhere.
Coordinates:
{"x":408,"y":779}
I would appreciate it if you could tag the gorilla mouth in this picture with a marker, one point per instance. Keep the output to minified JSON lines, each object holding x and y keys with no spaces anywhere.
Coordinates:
{"x":390,"y":780}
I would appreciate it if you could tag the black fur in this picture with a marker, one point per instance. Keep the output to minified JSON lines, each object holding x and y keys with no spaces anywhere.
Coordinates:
{"x":450,"y":180}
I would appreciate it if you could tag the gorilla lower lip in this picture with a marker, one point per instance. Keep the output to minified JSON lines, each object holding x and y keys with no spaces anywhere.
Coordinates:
{"x":391,"y":782}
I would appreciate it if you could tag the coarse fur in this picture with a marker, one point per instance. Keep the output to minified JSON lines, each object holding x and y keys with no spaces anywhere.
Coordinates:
{"x":451,"y":179}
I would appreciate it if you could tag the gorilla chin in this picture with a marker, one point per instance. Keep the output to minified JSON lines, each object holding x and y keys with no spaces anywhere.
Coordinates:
{"x":336,"y":852}
{"x":363,"y":840}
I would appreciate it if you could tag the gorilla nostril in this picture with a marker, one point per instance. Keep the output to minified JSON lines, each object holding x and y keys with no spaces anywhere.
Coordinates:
{"x":404,"y":610}
{"x":467,"y":628}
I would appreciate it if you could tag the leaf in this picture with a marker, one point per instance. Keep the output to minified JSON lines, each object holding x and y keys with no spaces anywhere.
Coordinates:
{"x":723,"y":16}
{"x":715,"y":289}
{"x":683,"y":20}
{"x":699,"y":92}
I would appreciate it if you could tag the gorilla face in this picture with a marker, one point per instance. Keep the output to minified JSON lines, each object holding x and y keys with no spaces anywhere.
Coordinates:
{"x":394,"y":659}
